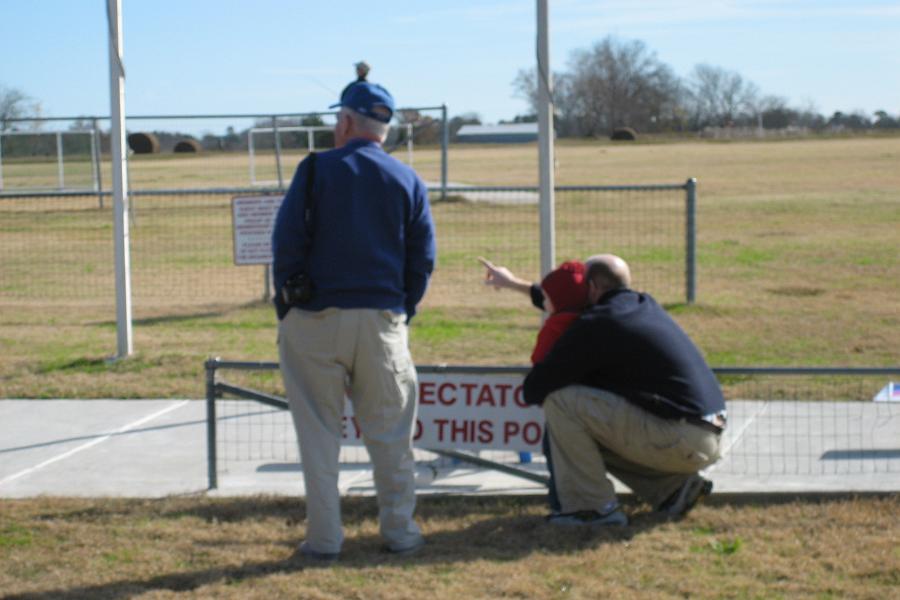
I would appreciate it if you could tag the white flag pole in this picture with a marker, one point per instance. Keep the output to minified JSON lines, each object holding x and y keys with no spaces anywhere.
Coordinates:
{"x":545,"y":140}
{"x":119,"y":180}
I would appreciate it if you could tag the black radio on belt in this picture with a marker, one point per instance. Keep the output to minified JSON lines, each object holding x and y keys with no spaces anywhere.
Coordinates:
{"x":298,"y":289}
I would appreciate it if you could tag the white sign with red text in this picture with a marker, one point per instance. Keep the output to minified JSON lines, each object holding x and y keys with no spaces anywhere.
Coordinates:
{"x":253,"y":218}
{"x":469,"y":412}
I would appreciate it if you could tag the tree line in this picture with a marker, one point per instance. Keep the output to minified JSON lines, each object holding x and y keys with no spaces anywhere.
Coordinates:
{"x":611,"y":85}
{"x":621,"y":83}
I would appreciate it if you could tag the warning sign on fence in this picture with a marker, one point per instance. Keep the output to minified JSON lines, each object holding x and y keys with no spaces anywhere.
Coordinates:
{"x":469,"y":412}
{"x":253,"y":218}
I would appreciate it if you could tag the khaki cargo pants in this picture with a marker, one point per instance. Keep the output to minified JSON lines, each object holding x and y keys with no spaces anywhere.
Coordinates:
{"x":365,"y":353}
{"x":594,"y":432}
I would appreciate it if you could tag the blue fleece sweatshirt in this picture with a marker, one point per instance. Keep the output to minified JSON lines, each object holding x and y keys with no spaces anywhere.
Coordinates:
{"x":373,"y":238}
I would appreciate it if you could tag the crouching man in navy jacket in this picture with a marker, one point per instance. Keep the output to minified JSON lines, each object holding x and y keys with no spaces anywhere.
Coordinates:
{"x":624,"y":391}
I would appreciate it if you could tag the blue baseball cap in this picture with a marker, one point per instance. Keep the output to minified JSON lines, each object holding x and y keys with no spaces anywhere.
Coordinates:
{"x":370,"y":100}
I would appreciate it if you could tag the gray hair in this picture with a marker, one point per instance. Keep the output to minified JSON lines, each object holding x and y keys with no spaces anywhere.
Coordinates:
{"x":366,"y":125}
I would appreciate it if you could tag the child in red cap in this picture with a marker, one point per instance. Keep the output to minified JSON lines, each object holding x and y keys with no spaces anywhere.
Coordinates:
{"x":565,"y":296}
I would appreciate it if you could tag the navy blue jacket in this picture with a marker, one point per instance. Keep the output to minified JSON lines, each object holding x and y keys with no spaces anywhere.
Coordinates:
{"x":627,"y":344}
{"x":373,"y":241}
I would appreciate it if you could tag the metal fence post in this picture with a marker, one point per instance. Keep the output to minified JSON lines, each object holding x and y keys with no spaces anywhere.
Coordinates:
{"x":211,"y":458}
{"x":95,"y":148}
{"x":690,"y":187}
{"x":445,"y":142}
{"x":277,"y":152}
{"x":61,"y":172}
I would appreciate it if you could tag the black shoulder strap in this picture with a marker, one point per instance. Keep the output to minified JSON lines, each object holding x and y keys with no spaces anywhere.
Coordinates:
{"x":309,"y":210}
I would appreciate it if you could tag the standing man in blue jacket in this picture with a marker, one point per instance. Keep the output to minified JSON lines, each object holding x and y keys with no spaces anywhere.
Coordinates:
{"x":353,"y":249}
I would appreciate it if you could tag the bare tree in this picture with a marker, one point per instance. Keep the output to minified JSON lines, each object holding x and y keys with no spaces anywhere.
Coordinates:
{"x":619,"y":83}
{"x":525,"y":87}
{"x":721,"y":97}
{"x":14,"y":104}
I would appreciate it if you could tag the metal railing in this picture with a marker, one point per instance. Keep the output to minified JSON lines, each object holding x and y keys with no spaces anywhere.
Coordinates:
{"x":812,"y":432}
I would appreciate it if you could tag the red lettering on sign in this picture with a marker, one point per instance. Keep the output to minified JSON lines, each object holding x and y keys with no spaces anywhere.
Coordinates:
{"x":519,"y":397}
{"x":440,"y":425}
{"x":468,"y":387}
{"x":503,"y":388}
{"x":355,"y":433}
{"x":460,"y":431}
{"x":531,"y":432}
{"x":485,"y":396}
{"x":510,"y":429}
{"x":446,"y":401}
{"x":426,"y":392}
{"x":485,"y":432}
{"x":419,"y":430}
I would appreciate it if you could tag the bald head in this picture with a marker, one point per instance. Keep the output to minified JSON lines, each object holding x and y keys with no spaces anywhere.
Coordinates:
{"x":606,"y":272}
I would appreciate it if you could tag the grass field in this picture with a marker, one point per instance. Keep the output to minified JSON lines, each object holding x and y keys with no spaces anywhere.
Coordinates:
{"x":797,"y":265}
{"x":477,"y":548}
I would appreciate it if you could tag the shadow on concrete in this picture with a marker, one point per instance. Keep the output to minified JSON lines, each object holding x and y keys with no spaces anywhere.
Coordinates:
{"x":131,"y":432}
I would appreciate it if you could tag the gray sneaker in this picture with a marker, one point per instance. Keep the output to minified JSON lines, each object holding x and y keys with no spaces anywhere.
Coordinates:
{"x":406,"y":550}
{"x":589,"y":518}
{"x":686,"y":497}
{"x":307,"y":554}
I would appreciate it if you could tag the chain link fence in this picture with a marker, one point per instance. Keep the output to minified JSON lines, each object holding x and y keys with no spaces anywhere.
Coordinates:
{"x":782,"y":422}
{"x":57,"y":249}
{"x":191,"y":152}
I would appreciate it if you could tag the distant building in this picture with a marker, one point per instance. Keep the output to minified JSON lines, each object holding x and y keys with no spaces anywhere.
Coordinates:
{"x":506,"y":133}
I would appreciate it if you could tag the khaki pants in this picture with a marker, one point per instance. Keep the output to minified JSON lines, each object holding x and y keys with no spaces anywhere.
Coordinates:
{"x":594,"y":432}
{"x":324,"y":355}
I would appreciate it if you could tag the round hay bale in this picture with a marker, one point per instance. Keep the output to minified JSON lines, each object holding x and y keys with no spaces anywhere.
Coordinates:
{"x":409,"y":115}
{"x":623,"y":134}
{"x":143,"y":143}
{"x":187,"y":145}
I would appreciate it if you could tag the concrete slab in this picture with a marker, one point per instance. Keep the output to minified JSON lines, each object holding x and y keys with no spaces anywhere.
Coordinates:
{"x":153,"y":448}
{"x":501,"y":196}
{"x":140,"y":448}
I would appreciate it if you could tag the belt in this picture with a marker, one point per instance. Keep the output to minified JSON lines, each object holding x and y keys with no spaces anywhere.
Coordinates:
{"x":704,"y":424}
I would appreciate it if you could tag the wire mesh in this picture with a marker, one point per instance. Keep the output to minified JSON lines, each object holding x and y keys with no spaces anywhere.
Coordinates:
{"x":780,"y":425}
{"x":817,"y":424}
{"x":58,"y":249}
{"x":62,"y":157}
{"x":249,"y":432}
{"x":645,"y":225}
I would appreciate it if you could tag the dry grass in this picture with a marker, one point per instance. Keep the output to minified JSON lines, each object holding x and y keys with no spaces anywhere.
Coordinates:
{"x":478,"y":548}
{"x":797,"y":257}
{"x":798,"y":265}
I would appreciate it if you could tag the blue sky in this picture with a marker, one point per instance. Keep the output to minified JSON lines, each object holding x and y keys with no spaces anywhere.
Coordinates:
{"x":230,"y":56}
